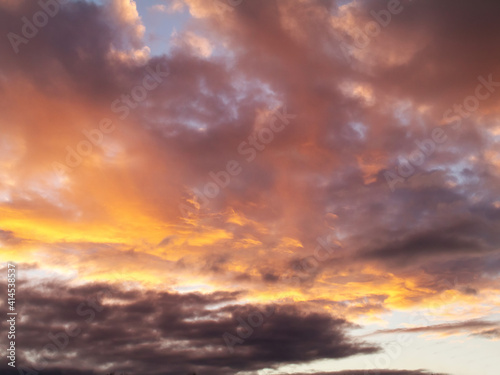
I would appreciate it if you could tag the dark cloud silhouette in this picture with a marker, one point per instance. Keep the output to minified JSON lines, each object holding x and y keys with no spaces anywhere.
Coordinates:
{"x":352,"y":372}
{"x":152,"y":332}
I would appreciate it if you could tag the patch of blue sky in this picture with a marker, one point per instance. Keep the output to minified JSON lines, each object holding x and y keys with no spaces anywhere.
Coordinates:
{"x":160,"y":25}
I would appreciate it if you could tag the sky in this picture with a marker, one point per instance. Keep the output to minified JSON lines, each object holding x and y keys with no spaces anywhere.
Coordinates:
{"x":252,"y":187}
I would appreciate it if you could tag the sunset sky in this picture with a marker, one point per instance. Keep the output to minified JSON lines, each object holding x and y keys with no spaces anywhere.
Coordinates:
{"x":251,"y":187}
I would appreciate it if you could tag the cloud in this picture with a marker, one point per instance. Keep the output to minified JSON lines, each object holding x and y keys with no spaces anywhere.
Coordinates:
{"x":194,"y":122}
{"x":125,"y":12}
{"x":190,"y":40}
{"x":112,"y":327}
{"x":433,"y":239}
{"x":492,"y":334}
{"x":482,"y":328}
{"x":352,"y":372}
{"x":172,"y":6}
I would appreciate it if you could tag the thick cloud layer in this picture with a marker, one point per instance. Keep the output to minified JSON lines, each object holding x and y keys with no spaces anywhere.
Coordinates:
{"x":340,"y":155}
{"x":102,"y":327}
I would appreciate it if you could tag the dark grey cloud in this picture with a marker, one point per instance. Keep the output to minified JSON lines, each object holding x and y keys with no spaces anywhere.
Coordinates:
{"x":7,"y":371}
{"x":153,"y":332}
